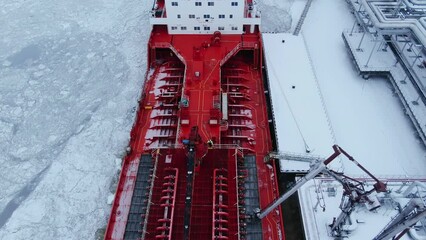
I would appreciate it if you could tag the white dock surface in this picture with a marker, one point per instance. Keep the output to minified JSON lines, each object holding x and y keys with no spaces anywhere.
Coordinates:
{"x":366,"y":117}
{"x":300,"y":117}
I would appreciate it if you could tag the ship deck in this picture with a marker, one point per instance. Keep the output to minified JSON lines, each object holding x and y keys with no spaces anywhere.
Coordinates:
{"x":201,"y":134}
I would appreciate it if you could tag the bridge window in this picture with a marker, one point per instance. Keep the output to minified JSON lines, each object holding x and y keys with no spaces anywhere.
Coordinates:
{"x":206,"y":15}
{"x":191,"y":15}
{"x":221,"y":28}
{"x":196,"y":28}
{"x":178,"y":16}
{"x":234,"y":28}
{"x":174,"y":28}
{"x":206,"y":28}
{"x":174,"y":3}
{"x":182,"y":28}
{"x":210,"y":3}
{"x":197,"y":3}
{"x":231,"y":16}
{"x":234,"y":3}
{"x":221,"y":15}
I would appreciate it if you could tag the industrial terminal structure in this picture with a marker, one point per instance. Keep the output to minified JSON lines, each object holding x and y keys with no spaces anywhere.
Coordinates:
{"x":388,"y":39}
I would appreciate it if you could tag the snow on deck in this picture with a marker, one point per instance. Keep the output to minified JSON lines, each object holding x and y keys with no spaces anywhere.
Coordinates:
{"x":301,"y":120}
{"x":366,"y":117}
{"x":365,"y":112}
{"x":320,"y":199}
{"x":372,"y":59}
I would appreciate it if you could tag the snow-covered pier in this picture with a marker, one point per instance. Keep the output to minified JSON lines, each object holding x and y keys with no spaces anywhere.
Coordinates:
{"x":321,"y":197}
{"x":373,"y":57}
{"x":391,"y":43}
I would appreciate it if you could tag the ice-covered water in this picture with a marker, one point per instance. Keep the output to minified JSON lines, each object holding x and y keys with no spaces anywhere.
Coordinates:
{"x":70,"y":76}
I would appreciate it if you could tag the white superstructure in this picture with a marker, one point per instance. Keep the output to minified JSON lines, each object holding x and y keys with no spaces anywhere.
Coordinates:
{"x":206,"y":16}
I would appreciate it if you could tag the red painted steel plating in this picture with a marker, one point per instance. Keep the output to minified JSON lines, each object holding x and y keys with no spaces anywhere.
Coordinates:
{"x":183,"y":89}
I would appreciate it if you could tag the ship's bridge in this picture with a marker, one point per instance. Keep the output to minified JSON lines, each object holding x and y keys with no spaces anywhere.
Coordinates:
{"x":206,"y":16}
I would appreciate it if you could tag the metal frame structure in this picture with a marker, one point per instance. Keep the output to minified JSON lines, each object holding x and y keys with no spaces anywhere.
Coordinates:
{"x":353,"y":194}
{"x":397,"y":26}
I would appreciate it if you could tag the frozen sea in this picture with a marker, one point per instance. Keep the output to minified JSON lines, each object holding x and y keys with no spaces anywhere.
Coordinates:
{"x":70,"y":76}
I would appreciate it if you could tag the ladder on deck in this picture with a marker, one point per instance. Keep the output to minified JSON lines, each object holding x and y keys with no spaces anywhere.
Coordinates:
{"x":302,"y":18}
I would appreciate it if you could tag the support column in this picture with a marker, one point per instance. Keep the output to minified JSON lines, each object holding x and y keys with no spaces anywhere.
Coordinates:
{"x":360,"y":42}
{"x":371,"y":54}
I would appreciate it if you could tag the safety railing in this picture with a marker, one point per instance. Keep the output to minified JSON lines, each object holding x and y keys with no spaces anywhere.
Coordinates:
{"x":220,"y":229}
{"x":167,"y":201}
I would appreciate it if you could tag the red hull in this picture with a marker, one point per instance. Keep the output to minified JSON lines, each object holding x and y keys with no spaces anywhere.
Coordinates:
{"x":192,"y":172}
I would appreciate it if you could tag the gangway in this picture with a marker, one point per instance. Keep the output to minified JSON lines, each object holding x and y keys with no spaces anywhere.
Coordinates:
{"x":302,"y":18}
{"x":293,"y":157}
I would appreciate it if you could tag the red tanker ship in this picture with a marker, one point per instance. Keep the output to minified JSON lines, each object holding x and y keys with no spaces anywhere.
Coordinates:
{"x":195,"y":166}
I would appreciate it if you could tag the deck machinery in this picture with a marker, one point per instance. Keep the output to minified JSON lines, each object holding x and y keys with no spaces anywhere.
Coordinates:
{"x":194,"y":168}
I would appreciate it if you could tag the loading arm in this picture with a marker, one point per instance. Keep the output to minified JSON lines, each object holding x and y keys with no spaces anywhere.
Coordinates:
{"x":317,"y":167}
{"x":314,"y":170}
{"x":413,"y":212}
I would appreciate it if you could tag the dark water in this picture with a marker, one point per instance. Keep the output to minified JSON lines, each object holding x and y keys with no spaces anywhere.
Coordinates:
{"x":20,"y":197}
{"x":293,"y":225}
